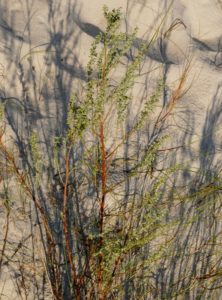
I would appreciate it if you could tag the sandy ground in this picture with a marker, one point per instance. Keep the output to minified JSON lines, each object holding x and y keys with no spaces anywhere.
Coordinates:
{"x":44,"y":47}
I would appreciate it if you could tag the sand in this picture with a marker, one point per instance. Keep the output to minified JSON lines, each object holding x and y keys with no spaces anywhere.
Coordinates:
{"x":44,"y":47}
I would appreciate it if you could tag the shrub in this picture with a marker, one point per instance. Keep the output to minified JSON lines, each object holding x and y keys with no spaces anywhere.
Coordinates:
{"x":104,"y":222}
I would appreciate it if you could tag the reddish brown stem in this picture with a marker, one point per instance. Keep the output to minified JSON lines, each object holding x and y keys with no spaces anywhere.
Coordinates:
{"x":103,"y":175}
{"x":21,"y":179}
{"x":102,"y":203}
{"x":5,"y":238}
{"x":65,"y":226}
{"x":30,"y":193}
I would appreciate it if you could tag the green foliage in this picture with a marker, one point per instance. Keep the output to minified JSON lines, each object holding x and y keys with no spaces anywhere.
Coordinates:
{"x":103,"y":60}
{"x":35,"y":152}
{"x":126,"y":228}
{"x":149,"y":106}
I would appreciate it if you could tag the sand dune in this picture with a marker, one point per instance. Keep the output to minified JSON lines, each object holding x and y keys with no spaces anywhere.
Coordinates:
{"x":44,"y":48}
